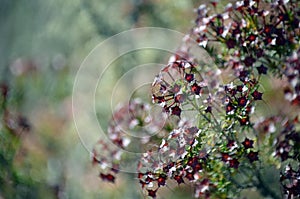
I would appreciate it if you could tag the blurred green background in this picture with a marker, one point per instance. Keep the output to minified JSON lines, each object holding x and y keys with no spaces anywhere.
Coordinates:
{"x":42,"y":44}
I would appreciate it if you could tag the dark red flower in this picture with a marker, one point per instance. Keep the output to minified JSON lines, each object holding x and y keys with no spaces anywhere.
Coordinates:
{"x":248,"y":143}
{"x":208,"y":109}
{"x":229,"y":107}
{"x":158,"y":99}
{"x":225,"y":157}
{"x":242,"y":101}
{"x":240,"y":88}
{"x":257,"y":95}
{"x":189,"y":77}
{"x":243,"y":75}
{"x":234,"y":163}
{"x":268,"y":29}
{"x":296,"y":101}
{"x":214,"y":3}
{"x":140,"y":175}
{"x":176,"y":111}
{"x":161,"y":180}
{"x":251,"y":37}
{"x":195,"y":88}
{"x":192,"y":161}
{"x":107,"y":177}
{"x":220,"y":30}
{"x":236,"y":31}
{"x":231,"y":91}
{"x":244,"y":120}
{"x":230,"y":43}
{"x":197,"y":167}
{"x":231,"y":143}
{"x":262,"y":69}
{"x":268,"y":40}
{"x":246,"y":3}
{"x":252,"y":156}
{"x":190,"y":176}
{"x":152,"y":193}
{"x":248,"y":109}
{"x":118,"y":141}
{"x":259,"y":53}
{"x":249,"y":61}
{"x":168,"y":167}
{"x":179,"y":179}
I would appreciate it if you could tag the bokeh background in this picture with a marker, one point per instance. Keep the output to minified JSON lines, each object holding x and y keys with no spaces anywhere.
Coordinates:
{"x":42,"y":44}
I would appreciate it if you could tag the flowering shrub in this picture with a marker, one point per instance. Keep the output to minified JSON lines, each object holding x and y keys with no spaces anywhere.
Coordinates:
{"x":211,"y":134}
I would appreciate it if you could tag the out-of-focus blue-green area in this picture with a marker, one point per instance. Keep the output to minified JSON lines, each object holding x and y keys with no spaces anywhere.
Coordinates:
{"x":42,"y":44}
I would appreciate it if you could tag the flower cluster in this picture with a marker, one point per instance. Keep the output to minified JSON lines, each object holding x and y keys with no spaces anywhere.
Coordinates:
{"x":107,"y":156}
{"x":187,"y":156}
{"x":290,"y":180}
{"x":288,"y":142}
{"x":292,"y":73}
{"x":131,"y":123}
{"x":240,"y":101}
{"x":177,"y":84}
{"x":219,"y":139}
{"x":175,"y":159}
{"x":135,"y":120}
{"x":253,"y":37}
